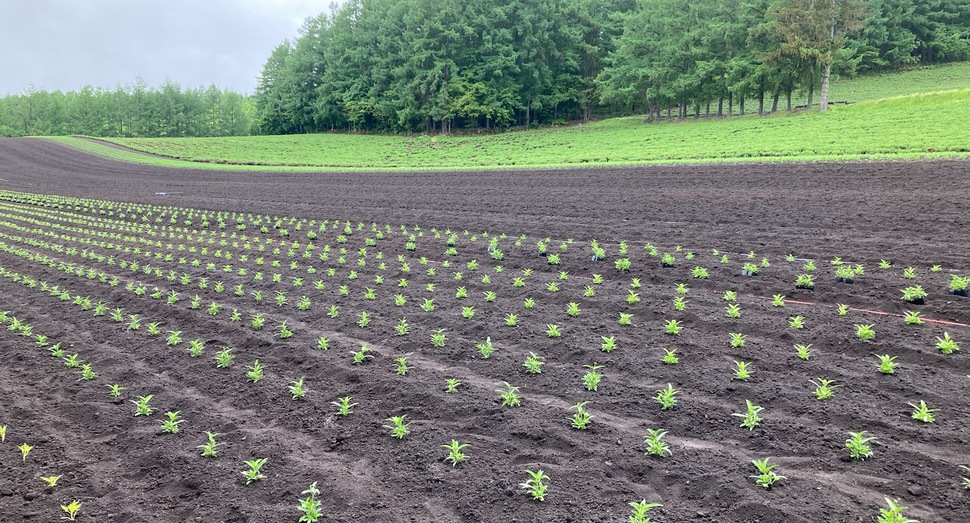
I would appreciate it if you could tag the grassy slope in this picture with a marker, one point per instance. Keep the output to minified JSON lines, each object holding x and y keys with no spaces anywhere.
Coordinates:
{"x":902,"y":127}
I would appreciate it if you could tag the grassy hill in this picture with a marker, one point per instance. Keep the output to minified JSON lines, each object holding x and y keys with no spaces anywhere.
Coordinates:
{"x":880,"y":125}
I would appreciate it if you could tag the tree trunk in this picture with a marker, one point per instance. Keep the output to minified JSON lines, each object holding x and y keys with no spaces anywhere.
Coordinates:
{"x":720,"y":107}
{"x":774,"y":103}
{"x":669,"y":105}
{"x":741,"y":105}
{"x":731,"y":103}
{"x":823,"y":103}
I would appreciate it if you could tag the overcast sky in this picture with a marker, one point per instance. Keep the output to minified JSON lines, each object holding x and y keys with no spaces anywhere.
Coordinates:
{"x":67,"y":44}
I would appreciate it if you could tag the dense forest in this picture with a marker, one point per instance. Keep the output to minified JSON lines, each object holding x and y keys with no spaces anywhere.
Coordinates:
{"x":129,"y":111}
{"x":435,"y":65}
{"x":439,"y":65}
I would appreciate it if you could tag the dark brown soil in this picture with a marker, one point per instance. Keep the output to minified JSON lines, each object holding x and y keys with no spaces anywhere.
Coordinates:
{"x":124,"y":470}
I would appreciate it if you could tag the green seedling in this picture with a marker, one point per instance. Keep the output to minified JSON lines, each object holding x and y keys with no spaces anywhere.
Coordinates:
{"x":750,"y":418}
{"x":865,"y":332}
{"x":51,"y":481}
{"x":893,"y":514}
{"x":922,"y":412}
{"x":946,"y":344}
{"x":345,"y":405}
{"x":210,"y":447}
{"x":253,"y":473}
{"x":667,"y":397}
{"x":71,"y":509}
{"x":398,"y":427}
{"x":310,"y":507}
{"x":224,"y":358}
{"x":639,"y":509}
{"x":766,"y":476}
{"x":672,"y":327}
{"x":25,"y":450}
{"x":778,"y":300}
{"x":455,"y":452}
{"x":362,"y":355}
{"x":255,"y":372}
{"x":581,"y":419}
{"x":737,"y":339}
{"x":842,"y":309}
{"x":297,"y":390}
{"x":858,"y":445}
{"x":655,"y":444}
{"x":887,"y":363}
{"x":741,"y":372}
{"x":170,"y":425}
{"x":141,"y":405}
{"x":593,"y":377}
{"x":510,"y":395}
{"x":803,"y":351}
{"x":824,"y":389}
{"x":670,"y":357}
{"x":535,"y":485}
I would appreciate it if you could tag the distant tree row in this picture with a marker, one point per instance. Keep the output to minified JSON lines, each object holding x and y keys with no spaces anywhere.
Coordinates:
{"x":136,"y":110}
{"x":435,"y":65}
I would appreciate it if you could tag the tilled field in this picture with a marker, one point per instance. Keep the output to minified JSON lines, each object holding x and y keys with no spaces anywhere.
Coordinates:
{"x":135,"y":249}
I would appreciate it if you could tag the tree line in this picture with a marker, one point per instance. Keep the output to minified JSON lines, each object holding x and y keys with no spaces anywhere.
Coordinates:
{"x":134,"y":110}
{"x":438,"y":65}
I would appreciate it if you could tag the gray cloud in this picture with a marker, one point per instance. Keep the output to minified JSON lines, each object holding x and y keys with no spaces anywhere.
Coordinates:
{"x":67,"y":44}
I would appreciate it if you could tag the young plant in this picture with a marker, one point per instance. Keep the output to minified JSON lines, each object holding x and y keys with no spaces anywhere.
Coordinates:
{"x":25,"y":450}
{"x":858,"y":445}
{"x":310,"y":506}
{"x":680,"y":304}
{"x":255,"y":372}
{"x":510,"y":395}
{"x":581,"y":418}
{"x":141,"y":405}
{"x":362,"y":355}
{"x":451,"y":385}
{"x":824,"y":389}
{"x":737,"y":339}
{"x":455,"y":454}
{"x":655,"y":444}
{"x":946,"y":344}
{"x":438,"y":338}
{"x":670,"y":357}
{"x":71,"y":509}
{"x":778,"y":300}
{"x":533,"y":363}
{"x":115,"y":390}
{"x":766,"y":476}
{"x":253,"y":472}
{"x":3,"y":433}
{"x":593,"y":377}
{"x":638,"y":512}
{"x":572,"y":309}
{"x":667,"y":397}
{"x":893,"y":514}
{"x":224,"y":358}
{"x":750,"y":418}
{"x":842,"y":309}
{"x":672,"y":327}
{"x":535,"y":485}
{"x":741,"y":372}
{"x":170,"y":425}
{"x":865,"y":332}
{"x":887,"y":363}
{"x":398,"y":427}
{"x":700,"y":273}
{"x":914,"y":294}
{"x":297,"y":390}
{"x":922,"y":412}
{"x":345,"y":405}
{"x":511,"y":319}
{"x":485,"y":349}
{"x":50,"y":480}
{"x":913,"y":318}
{"x":796,"y":322}
{"x":210,"y":448}
{"x":803,"y":351}
{"x":909,"y":273}
{"x":552,"y":330}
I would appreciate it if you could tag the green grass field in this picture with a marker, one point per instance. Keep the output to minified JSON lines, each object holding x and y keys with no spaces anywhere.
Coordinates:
{"x":913,"y":126}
